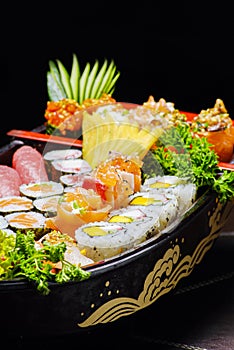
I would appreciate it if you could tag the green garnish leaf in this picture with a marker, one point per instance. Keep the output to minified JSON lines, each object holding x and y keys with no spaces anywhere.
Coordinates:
{"x":55,"y":87}
{"x":110,"y":86}
{"x":105,"y":79}
{"x":27,"y":261}
{"x":79,"y":86}
{"x":98,"y":80}
{"x":65,"y":79}
{"x":74,"y":78}
{"x":91,"y":79}
{"x":83,"y":82}
{"x":178,"y":153}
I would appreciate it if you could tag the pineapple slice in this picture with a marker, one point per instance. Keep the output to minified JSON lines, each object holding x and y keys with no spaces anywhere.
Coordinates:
{"x":104,"y":135}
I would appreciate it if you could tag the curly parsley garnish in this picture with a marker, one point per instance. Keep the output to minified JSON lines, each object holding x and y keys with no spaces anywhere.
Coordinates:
{"x":177,"y":152}
{"x":25,"y":260}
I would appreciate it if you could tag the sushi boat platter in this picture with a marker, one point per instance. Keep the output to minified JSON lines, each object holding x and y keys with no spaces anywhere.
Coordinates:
{"x":125,"y":274}
{"x":108,"y":205}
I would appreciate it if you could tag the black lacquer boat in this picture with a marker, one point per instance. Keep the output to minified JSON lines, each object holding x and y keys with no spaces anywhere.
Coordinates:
{"x":117,"y":287}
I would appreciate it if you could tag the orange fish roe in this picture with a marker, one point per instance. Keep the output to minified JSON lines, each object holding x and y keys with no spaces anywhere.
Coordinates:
{"x":107,"y":172}
{"x":66,"y":115}
{"x":60,"y":113}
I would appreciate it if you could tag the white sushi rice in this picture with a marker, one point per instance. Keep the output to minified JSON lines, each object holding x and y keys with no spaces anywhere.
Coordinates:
{"x":103,"y":240}
{"x":71,"y":166}
{"x":148,"y":213}
{"x":3,"y":222}
{"x":164,"y":207}
{"x":41,"y":189}
{"x":72,"y":179}
{"x":15,"y":203}
{"x":68,"y":153}
{"x":47,"y":205}
{"x":128,"y":227}
{"x":139,"y":224}
{"x":184,"y":191}
{"x":27,"y":221}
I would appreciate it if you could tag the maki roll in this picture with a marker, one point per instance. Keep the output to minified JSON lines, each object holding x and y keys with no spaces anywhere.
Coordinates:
{"x":47,"y":205}
{"x":103,"y":240}
{"x":27,"y":221}
{"x":69,"y":153}
{"x":41,"y":189}
{"x":184,"y":190}
{"x":72,"y":179}
{"x":62,"y":167}
{"x":139,"y":224}
{"x":123,"y":230}
{"x":165,"y":207}
{"x":15,"y":203}
{"x":55,"y":155}
{"x":3,"y":222}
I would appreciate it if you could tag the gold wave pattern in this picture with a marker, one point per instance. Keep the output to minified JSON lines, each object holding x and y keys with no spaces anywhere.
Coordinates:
{"x":167,"y":272}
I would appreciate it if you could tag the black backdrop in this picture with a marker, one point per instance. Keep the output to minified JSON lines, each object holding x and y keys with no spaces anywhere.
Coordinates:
{"x":181,"y":51}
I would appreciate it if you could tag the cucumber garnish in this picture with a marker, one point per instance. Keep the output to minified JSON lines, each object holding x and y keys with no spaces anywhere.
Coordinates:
{"x":80,"y":85}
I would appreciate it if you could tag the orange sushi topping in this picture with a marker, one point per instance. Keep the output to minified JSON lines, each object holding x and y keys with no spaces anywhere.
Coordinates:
{"x":107,"y":172}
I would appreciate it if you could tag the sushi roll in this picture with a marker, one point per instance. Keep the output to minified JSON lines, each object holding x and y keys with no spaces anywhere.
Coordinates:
{"x":15,"y":203}
{"x":103,"y":240}
{"x":55,"y":155}
{"x":69,"y":166}
{"x":184,"y":190}
{"x":71,"y":189}
{"x":47,"y":205}
{"x":72,"y":179}
{"x":27,"y":221}
{"x":68,"y":153}
{"x":8,"y":232}
{"x":41,"y":189}
{"x":139,"y":225}
{"x":165,"y":207}
{"x":3,"y":222}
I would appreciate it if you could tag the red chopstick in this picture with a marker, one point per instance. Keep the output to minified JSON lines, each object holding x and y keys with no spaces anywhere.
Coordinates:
{"x":73,"y":142}
{"x":44,"y":137}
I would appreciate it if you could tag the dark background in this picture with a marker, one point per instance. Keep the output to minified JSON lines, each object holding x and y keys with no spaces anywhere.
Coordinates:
{"x":181,"y":51}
